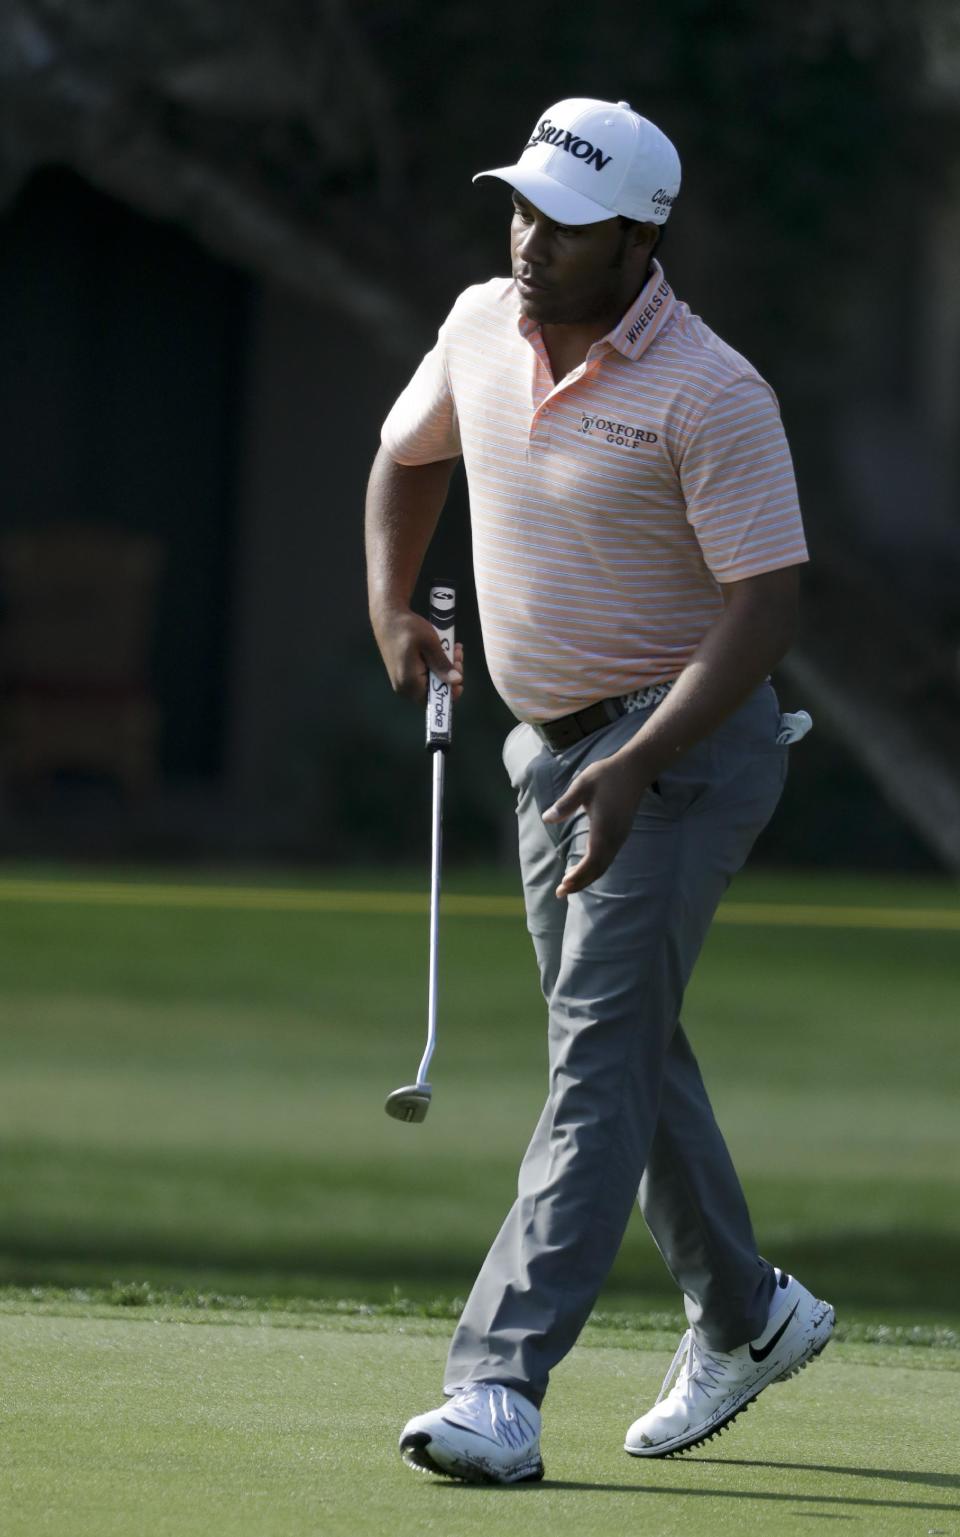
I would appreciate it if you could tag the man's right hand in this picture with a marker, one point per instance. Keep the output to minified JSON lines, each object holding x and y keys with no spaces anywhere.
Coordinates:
{"x":411,"y":649}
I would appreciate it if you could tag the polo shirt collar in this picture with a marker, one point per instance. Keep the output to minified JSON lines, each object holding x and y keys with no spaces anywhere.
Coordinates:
{"x":647,"y":316}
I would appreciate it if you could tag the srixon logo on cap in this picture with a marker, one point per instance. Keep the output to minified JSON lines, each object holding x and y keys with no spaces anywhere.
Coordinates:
{"x":582,"y":149}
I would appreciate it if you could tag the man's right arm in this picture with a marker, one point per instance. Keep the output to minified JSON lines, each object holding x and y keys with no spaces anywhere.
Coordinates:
{"x":404,"y":502}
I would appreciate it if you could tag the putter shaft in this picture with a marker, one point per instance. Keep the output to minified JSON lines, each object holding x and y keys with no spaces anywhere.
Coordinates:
{"x":436,"y":850}
{"x":412,"y":1102}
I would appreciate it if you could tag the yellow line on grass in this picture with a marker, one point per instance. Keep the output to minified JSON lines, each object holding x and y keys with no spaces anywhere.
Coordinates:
{"x":803,"y":915}
{"x":401,"y":903}
{"x":242,"y":898}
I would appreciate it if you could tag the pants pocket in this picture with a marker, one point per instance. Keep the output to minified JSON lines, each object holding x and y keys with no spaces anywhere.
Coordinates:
{"x":521,"y":747}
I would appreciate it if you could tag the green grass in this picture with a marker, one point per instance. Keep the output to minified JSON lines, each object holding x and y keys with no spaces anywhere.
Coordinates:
{"x":226,"y":1278}
{"x":174,"y":1421}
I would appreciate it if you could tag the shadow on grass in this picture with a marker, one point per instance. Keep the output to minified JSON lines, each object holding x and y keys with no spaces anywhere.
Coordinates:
{"x":271,"y":1214}
{"x":932,"y":1480}
{"x":672,"y":1491}
{"x":899,"y":1283}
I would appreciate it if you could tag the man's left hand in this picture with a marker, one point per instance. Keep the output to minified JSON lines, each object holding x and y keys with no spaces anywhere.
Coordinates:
{"x":609,"y":792}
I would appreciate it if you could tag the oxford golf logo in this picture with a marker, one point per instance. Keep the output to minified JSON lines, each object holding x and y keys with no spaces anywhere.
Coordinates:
{"x":619,"y":433}
{"x":581,"y":149}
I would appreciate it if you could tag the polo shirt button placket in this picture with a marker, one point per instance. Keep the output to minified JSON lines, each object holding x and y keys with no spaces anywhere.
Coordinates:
{"x":539,"y":436}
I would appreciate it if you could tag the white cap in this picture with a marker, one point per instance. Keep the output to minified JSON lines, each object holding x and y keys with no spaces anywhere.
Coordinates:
{"x":589,"y":160}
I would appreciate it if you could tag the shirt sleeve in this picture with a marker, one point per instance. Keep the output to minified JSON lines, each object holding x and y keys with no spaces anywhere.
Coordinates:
{"x":422,"y":426}
{"x":737,"y":478}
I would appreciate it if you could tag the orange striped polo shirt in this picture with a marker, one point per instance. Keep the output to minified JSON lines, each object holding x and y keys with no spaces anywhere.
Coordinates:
{"x":606,"y":507}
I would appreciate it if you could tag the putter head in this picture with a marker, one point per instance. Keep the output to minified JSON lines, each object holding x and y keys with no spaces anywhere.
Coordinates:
{"x":410,"y":1103}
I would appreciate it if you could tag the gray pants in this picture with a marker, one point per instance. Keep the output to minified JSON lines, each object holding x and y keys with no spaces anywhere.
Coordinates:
{"x":626,"y":1109}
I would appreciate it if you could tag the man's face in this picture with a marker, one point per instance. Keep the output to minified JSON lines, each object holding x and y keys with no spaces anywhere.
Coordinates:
{"x":573,"y":274}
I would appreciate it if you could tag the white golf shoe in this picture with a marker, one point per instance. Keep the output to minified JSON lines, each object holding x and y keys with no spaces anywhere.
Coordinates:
{"x":486,"y":1434}
{"x":712,"y":1386}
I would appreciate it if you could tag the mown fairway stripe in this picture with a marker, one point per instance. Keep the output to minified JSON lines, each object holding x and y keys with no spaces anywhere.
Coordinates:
{"x":802,"y":915}
{"x":400,"y":903}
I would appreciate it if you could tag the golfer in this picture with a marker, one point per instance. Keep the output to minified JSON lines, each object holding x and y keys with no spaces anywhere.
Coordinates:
{"x":637,"y":543}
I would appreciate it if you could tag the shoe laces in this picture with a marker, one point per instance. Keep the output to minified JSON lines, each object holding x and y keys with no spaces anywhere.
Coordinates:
{"x":697,"y":1366}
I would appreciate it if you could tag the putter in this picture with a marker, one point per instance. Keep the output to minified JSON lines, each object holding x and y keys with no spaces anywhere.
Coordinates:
{"x":412,"y":1102}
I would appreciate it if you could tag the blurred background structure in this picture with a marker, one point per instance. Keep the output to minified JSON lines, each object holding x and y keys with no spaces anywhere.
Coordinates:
{"x":228,"y":231}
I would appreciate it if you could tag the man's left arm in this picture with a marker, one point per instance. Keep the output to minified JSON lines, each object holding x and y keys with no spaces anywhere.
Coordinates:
{"x":751,"y":635}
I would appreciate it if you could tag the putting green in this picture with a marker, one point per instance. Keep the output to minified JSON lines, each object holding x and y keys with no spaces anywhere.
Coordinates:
{"x":163,"y":1421}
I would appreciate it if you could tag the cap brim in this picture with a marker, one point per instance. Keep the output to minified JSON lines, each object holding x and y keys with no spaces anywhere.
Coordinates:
{"x":551,"y":197}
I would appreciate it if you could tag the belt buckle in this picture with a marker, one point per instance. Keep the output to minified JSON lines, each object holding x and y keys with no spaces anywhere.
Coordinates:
{"x":642,"y":698}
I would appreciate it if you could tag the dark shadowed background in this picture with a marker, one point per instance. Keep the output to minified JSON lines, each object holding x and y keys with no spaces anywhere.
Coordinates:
{"x":228,"y":231}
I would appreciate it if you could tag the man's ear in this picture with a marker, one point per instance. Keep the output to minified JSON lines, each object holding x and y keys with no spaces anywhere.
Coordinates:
{"x":647,"y":235}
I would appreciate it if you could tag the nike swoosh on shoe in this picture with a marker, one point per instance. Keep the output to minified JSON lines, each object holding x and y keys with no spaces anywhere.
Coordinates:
{"x":774,"y":1340}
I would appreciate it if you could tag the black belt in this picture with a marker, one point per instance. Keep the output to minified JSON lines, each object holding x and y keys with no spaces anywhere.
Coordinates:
{"x":569,"y":729}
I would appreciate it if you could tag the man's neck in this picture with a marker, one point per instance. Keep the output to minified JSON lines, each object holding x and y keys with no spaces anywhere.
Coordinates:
{"x":567,"y":345}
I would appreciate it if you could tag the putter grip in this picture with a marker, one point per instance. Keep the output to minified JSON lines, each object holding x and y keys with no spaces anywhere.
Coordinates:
{"x":443,"y":605}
